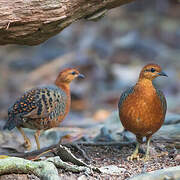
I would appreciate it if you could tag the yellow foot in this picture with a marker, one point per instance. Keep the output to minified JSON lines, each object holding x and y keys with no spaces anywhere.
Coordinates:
{"x":27,"y":145}
{"x":146,"y":158}
{"x":133,"y":156}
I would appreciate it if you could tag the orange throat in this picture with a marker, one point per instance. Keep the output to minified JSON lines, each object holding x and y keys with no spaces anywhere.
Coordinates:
{"x":145,"y":86}
{"x":66,"y":88}
{"x":145,"y":82}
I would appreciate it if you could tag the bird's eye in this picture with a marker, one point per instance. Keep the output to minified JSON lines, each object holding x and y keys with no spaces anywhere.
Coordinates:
{"x":153,"y":70}
{"x":73,"y":73}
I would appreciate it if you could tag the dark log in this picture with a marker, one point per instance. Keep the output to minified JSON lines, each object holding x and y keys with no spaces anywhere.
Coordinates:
{"x":31,"y":22}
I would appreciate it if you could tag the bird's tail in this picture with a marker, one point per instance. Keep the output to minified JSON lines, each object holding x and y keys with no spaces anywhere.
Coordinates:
{"x":11,"y":123}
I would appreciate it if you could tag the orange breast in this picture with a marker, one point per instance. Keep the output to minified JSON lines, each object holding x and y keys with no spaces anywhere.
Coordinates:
{"x":142,"y":113}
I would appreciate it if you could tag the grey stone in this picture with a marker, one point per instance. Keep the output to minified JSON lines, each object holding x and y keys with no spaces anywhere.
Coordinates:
{"x":164,"y":174}
{"x":112,"y":170}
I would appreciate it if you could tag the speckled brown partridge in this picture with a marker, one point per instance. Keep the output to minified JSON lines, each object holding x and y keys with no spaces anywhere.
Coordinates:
{"x":43,"y":107}
{"x":142,"y":108}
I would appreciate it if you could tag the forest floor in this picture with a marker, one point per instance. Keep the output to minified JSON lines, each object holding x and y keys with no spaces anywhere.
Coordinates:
{"x":110,"y":156}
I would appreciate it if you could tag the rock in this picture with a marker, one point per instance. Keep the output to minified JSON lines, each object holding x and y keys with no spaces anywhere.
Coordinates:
{"x":112,"y":170}
{"x":170,"y":131}
{"x":114,"y":131}
{"x":177,"y":158}
{"x":113,"y":122}
{"x":104,"y":135}
{"x":83,"y":177}
{"x":172,"y":118}
{"x":172,"y":173}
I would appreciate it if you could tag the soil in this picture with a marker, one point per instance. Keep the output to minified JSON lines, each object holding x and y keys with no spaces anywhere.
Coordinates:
{"x":162,"y":156}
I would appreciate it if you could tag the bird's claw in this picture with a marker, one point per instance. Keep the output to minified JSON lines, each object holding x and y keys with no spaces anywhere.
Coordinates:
{"x":137,"y":157}
{"x":27,"y":145}
{"x":146,"y":158}
{"x":133,"y":156}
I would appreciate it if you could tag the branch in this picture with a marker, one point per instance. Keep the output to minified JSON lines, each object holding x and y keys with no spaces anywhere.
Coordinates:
{"x":34,"y":21}
{"x":42,"y":169}
{"x":68,"y":167}
{"x":63,"y":152}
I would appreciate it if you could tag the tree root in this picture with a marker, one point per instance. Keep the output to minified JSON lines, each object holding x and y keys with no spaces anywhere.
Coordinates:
{"x":46,"y":169}
{"x":65,"y":154}
{"x":83,"y":153}
{"x":42,"y":169}
{"x":69,"y":167}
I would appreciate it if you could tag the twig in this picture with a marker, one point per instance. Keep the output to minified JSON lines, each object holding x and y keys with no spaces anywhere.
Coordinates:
{"x":30,"y":155}
{"x":56,"y":146}
{"x":45,"y":152}
{"x":103,"y":143}
{"x":65,"y":154}
{"x":79,"y":149}
{"x":69,"y":167}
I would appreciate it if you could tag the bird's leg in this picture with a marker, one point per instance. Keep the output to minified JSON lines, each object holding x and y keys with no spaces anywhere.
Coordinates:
{"x":134,"y":155}
{"x":36,"y":136}
{"x":146,"y":157}
{"x":27,"y":142}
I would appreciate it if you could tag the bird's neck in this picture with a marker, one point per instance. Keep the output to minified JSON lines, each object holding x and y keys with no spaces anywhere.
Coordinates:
{"x":145,"y":85}
{"x":64,"y":86}
{"x":144,"y":81}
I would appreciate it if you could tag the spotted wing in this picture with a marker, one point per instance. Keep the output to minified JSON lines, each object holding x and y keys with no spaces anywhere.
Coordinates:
{"x":49,"y":104}
{"x":44,"y":102}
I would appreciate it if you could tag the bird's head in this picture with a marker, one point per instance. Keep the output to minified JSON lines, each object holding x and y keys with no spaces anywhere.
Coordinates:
{"x":67,"y":75}
{"x":151,"y":71}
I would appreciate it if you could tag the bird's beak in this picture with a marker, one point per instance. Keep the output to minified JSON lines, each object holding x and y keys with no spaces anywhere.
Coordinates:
{"x":162,"y":74}
{"x":81,"y":76}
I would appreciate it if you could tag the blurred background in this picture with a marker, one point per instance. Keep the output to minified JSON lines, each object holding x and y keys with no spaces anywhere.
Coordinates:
{"x":109,"y":52}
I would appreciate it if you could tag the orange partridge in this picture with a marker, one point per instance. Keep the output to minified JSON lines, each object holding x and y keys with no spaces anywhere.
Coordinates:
{"x":142,"y":108}
{"x":43,"y":107}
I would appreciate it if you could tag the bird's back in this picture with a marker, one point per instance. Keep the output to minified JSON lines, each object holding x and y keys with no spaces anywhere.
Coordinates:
{"x":37,"y":108}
